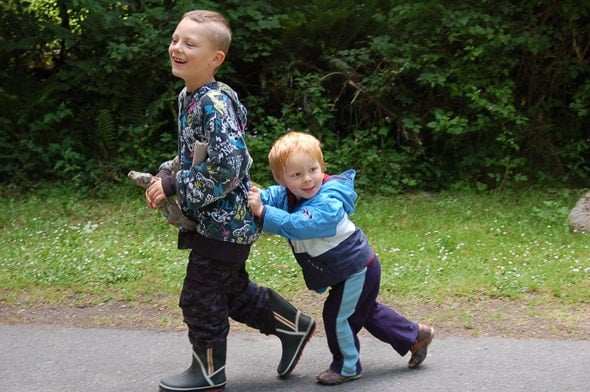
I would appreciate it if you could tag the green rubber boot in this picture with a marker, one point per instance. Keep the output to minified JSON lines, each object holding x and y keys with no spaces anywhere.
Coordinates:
{"x":293,"y":328}
{"x":206,"y":373}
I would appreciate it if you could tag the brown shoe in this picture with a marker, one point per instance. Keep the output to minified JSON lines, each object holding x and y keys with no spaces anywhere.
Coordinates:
{"x":420,"y":348}
{"x":330,"y":377}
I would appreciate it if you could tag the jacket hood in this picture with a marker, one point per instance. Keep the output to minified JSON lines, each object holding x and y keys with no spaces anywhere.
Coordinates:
{"x":241,"y":111}
{"x":342,"y":185}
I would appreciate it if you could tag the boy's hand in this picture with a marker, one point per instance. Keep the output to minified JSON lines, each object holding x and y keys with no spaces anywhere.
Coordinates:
{"x":254,"y":202}
{"x":154,"y":193}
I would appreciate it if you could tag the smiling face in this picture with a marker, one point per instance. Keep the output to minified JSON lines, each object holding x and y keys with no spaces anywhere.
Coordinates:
{"x":303,"y":175}
{"x":193,"y":54}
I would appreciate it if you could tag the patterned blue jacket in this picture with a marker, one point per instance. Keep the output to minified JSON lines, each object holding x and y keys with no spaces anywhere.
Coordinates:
{"x":214,"y":193}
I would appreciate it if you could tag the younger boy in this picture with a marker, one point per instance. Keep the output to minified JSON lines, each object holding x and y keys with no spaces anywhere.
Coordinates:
{"x":311,"y":209}
{"x":214,"y":194}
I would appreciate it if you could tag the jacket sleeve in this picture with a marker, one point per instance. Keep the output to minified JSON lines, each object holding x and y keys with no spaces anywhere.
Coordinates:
{"x":168,"y":180}
{"x":315,"y":218}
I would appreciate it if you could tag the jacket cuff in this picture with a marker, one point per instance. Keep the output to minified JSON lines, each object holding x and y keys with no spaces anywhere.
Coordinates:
{"x":260,"y":219}
{"x":168,"y":182}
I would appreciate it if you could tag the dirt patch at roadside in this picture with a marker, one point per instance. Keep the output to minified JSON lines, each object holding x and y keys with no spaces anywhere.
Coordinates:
{"x":521,"y":319}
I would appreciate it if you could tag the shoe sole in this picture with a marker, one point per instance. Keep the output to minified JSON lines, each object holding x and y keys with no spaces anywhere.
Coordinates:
{"x":191,"y":389}
{"x":308,"y":335}
{"x":345,"y":379}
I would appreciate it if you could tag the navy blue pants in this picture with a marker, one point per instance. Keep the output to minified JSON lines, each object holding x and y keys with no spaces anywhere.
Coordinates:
{"x":214,"y":290}
{"x":352,"y":305}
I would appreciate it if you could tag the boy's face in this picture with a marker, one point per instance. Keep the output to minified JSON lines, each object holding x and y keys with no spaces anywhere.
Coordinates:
{"x":303,"y":175}
{"x":192,"y":54}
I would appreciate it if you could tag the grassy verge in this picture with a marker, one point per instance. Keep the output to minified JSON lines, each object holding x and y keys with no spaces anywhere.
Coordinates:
{"x":59,"y":248}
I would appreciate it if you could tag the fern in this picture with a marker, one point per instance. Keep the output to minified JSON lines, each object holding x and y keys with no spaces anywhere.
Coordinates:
{"x":106,"y":133}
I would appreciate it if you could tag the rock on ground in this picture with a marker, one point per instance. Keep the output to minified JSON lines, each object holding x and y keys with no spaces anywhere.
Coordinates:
{"x":580,"y":215}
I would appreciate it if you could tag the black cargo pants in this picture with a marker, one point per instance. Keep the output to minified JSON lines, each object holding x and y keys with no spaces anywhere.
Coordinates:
{"x":215,"y":290}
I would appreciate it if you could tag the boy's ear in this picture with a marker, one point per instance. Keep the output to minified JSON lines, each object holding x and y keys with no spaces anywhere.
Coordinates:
{"x":218,"y":59}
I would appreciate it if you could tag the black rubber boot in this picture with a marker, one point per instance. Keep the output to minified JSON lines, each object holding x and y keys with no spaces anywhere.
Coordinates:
{"x":206,"y":373}
{"x":293,"y":328}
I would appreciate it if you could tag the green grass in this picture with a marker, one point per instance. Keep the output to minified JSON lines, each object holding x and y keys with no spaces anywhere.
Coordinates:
{"x":62,"y":248}
{"x":480,"y":245}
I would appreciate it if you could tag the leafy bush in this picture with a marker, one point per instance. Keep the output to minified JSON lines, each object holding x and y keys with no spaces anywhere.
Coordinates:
{"x":416,"y":94}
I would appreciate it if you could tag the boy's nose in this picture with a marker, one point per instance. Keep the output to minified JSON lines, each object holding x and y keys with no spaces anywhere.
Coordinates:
{"x":174,"y":46}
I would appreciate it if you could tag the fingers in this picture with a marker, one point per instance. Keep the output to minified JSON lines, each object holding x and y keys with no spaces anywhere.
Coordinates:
{"x":150,"y":200}
{"x":253,"y":196}
{"x":254,"y":201}
{"x":154,"y":193}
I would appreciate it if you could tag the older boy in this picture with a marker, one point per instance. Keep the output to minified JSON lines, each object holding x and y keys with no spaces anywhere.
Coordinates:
{"x":214,"y":194}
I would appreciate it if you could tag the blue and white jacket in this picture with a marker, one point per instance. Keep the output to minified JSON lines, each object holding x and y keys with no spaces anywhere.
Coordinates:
{"x":326,"y":243}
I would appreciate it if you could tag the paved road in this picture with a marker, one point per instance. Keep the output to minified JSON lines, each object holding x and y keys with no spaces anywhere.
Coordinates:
{"x":49,"y":358}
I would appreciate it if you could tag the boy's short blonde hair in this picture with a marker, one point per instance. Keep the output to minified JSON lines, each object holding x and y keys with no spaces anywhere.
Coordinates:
{"x":220,"y":29}
{"x":289,"y":143}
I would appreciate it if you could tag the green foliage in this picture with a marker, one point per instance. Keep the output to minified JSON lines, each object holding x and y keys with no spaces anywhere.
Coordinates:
{"x":417,"y":94}
{"x":463,"y":85}
{"x":96,"y":70}
{"x":452,"y":108}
